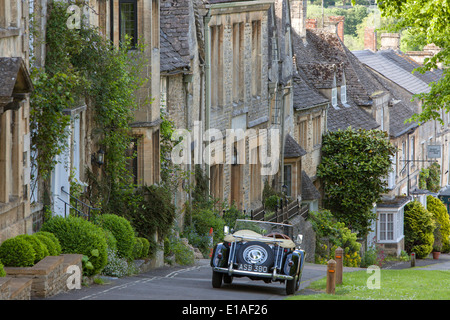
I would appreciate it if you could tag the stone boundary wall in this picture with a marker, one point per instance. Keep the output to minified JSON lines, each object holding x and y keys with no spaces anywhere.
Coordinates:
{"x":48,"y":276}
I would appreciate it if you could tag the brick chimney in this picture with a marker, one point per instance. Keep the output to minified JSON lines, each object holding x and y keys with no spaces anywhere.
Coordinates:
{"x":370,"y":39}
{"x":311,"y":23}
{"x":338,"y":21}
{"x":298,"y":16}
{"x":390,"y":41}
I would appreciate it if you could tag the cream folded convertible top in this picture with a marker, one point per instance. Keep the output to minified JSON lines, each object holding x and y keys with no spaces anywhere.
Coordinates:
{"x":248,"y":235}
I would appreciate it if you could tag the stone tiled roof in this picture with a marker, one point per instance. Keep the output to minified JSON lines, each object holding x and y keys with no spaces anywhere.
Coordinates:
{"x":398,"y":114}
{"x":170,"y":59}
{"x":392,"y":70}
{"x":320,"y":52}
{"x":174,"y":21}
{"x":292,"y":149}
{"x":306,"y":96}
{"x":396,"y":202}
{"x":321,"y":55}
{"x":309,"y":190}
{"x":408,"y":64}
{"x":349,"y":115}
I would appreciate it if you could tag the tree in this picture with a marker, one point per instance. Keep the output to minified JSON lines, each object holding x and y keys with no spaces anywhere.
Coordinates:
{"x":441,"y":219}
{"x":428,"y":21}
{"x":419,"y":227}
{"x":353,"y":167}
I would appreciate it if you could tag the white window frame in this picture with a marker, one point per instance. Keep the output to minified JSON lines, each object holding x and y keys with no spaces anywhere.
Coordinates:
{"x":334,"y":97}
{"x":395,"y":218}
{"x":344,"y":94}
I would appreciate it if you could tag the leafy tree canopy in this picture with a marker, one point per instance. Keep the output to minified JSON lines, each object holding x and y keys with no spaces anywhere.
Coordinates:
{"x":428,"y":21}
{"x":353,"y":167}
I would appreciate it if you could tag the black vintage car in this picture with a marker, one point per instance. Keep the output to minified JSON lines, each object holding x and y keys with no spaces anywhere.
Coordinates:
{"x":261,"y":251}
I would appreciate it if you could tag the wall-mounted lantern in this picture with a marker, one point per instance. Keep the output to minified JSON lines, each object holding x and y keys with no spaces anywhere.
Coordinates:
{"x":99,"y":157}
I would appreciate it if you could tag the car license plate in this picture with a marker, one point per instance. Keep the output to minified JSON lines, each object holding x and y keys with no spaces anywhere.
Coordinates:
{"x":252,"y":267}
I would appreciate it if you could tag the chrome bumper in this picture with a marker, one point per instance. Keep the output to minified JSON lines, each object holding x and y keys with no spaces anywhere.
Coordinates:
{"x":274,"y":276}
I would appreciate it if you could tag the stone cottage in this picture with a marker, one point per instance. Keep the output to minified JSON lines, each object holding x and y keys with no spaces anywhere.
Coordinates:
{"x":15,"y":88}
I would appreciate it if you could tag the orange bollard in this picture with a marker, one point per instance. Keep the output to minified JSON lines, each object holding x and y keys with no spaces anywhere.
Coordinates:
{"x":211,"y":242}
{"x":331,"y":276}
{"x":339,"y":256}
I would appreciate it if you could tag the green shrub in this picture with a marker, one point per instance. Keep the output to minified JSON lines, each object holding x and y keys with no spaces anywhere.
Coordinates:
{"x":2,"y":271}
{"x":40,"y":249}
{"x":77,"y":235}
{"x":175,"y":246}
{"x":53,"y":238}
{"x":17,"y":252}
{"x":272,"y":202}
{"x":111,"y":241}
{"x":441,"y":219}
{"x":145,"y":247}
{"x":122,"y":231}
{"x":418,"y":228}
{"x":137,"y":250}
{"x":198,"y":232}
{"x":331,"y":234}
{"x":51,"y":247}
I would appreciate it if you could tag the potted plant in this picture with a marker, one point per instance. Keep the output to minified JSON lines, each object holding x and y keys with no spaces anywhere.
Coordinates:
{"x":437,"y":245}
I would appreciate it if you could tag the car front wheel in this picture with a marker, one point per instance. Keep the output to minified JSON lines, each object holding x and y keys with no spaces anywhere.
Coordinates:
{"x":217,"y":279}
{"x":292,"y":285}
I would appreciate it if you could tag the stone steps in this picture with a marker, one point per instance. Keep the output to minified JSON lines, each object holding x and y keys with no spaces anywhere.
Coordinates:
{"x":15,"y":288}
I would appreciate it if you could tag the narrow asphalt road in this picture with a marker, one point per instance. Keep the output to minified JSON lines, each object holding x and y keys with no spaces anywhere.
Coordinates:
{"x":186,"y":283}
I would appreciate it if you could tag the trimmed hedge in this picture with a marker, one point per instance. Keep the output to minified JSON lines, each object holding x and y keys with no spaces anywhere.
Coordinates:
{"x":40,"y":249}
{"x":56,"y":245}
{"x":123,"y":232}
{"x":419,"y":227}
{"x":77,"y":235}
{"x":17,"y":252}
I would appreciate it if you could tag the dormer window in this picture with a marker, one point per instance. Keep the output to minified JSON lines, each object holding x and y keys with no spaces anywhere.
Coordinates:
{"x":334,"y":101}
{"x":334,"y":97}
{"x":343,"y":89}
{"x":344,"y":94}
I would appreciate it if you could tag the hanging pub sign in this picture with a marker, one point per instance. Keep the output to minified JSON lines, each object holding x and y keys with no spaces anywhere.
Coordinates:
{"x":434,"y":151}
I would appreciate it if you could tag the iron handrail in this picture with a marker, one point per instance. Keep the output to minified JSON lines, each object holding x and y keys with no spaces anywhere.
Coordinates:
{"x":76,"y":206}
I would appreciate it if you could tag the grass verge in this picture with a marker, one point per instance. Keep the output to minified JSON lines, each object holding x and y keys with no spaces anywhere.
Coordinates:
{"x":414,"y":284}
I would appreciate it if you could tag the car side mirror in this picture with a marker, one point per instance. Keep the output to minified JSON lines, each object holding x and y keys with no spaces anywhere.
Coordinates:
{"x":299,"y":239}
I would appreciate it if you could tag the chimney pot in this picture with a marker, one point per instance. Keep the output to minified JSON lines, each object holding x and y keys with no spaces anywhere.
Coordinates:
{"x":370,"y":39}
{"x":390,"y":41}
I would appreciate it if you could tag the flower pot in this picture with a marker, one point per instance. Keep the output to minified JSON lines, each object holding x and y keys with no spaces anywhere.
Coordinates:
{"x":436,"y":255}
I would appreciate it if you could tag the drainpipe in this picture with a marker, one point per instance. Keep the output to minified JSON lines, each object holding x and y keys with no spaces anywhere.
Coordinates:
{"x":207,"y":19}
{"x":288,"y":88}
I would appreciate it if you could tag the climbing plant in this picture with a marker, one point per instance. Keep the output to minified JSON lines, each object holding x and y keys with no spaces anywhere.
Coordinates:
{"x":82,"y":66}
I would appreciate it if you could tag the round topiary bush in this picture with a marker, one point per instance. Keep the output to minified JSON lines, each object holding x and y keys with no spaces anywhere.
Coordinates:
{"x":419,"y":229}
{"x":77,"y":235}
{"x":17,"y":252}
{"x":110,"y":240}
{"x":54,"y":239}
{"x":123,"y":232}
{"x":48,"y":243}
{"x":145,"y":247}
{"x":137,"y":250}
{"x":40,"y":249}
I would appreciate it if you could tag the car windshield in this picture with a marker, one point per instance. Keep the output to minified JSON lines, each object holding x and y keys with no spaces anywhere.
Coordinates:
{"x":264,"y":228}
